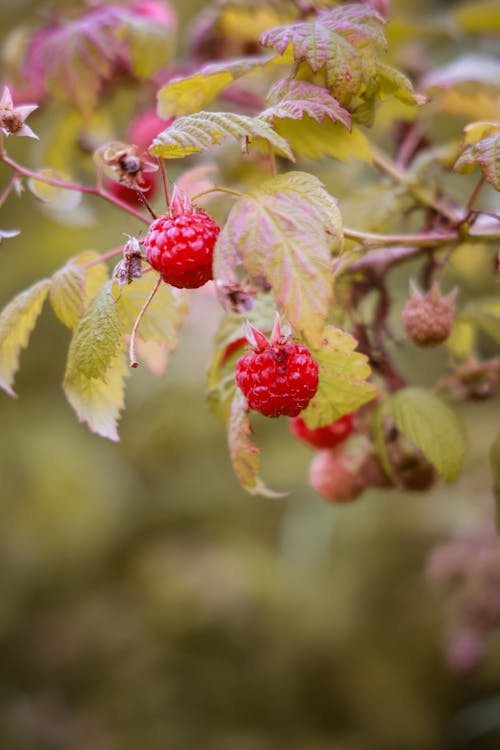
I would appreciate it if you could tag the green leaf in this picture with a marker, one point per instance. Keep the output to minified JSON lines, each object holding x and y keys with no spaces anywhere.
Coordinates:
{"x":194,"y":133}
{"x":432,"y":426}
{"x":495,"y":470}
{"x":244,"y":452}
{"x":17,"y":321}
{"x":486,"y":154}
{"x":184,"y":96}
{"x":391,"y":82}
{"x":96,"y":366}
{"x":74,"y":285}
{"x":343,"y":374}
{"x":315,"y":140}
{"x":478,"y":16}
{"x":284,"y":232}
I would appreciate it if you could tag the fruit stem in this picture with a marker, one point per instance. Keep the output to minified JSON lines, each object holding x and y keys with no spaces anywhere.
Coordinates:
{"x":164,"y":180}
{"x":146,"y":204}
{"x":133,"y":335}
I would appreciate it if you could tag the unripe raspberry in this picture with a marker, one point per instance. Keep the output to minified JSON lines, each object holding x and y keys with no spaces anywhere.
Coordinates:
{"x":323,"y":437}
{"x":278,"y":377}
{"x":428,"y":318}
{"x":334,"y":476}
{"x":180,"y":244}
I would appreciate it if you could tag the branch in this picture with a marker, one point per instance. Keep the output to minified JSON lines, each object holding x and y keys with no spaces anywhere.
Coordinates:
{"x":100,"y":192}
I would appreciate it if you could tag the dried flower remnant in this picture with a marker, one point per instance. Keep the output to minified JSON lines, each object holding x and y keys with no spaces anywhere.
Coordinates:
{"x":12,"y":119}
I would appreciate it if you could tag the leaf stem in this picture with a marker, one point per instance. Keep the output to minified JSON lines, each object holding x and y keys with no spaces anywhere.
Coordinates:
{"x":133,"y":335}
{"x":472,"y":199}
{"x":100,"y":192}
{"x":217,"y":190}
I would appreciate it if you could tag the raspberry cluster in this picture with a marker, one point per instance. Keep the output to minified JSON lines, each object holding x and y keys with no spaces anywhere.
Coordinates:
{"x":278,"y":377}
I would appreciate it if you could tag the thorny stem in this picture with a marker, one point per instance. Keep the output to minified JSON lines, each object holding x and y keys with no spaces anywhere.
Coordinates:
{"x":384,"y":163}
{"x":133,"y":335}
{"x":5,"y":194}
{"x":216,"y":190}
{"x":100,"y":192}
{"x":164,"y":180}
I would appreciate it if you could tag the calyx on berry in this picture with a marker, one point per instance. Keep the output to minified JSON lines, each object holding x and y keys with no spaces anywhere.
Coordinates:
{"x":328,"y":436}
{"x":278,"y":377}
{"x":428,"y":318}
{"x":180,"y":244}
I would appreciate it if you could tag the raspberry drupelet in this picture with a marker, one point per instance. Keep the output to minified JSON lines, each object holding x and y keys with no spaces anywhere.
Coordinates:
{"x":180,"y":244}
{"x":278,"y":377}
{"x":328,"y":436}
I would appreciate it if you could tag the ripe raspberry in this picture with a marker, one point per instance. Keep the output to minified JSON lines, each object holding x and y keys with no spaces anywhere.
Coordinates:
{"x":277,"y":377}
{"x":180,"y":245}
{"x":323,"y":437}
{"x":428,"y":318}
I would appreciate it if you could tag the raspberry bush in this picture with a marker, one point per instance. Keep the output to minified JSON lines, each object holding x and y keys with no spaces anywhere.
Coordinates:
{"x":258,"y":125}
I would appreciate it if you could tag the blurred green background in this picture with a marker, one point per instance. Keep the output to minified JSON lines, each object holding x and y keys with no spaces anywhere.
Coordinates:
{"x":146,"y":602}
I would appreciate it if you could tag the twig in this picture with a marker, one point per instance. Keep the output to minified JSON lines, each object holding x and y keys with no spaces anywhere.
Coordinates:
{"x":5,"y":194}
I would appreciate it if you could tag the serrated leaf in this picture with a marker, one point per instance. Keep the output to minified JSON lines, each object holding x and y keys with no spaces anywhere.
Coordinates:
{"x":74,"y":285}
{"x":343,"y":376}
{"x":17,"y":321}
{"x":194,"y":133}
{"x":183,"y":96}
{"x":478,"y":16}
{"x":295,"y":99}
{"x":151,"y":44}
{"x":495,"y":471}
{"x":283,"y":232}
{"x":314,"y":140}
{"x":486,"y":154}
{"x":432,"y":426}
{"x":244,"y":452}
{"x":343,"y":41}
{"x":96,"y":366}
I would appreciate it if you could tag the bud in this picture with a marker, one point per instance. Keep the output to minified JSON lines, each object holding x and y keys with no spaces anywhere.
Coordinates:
{"x":428,"y":318}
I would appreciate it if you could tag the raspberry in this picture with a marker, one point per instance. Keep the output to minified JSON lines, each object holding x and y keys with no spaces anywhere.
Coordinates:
{"x":145,"y":127}
{"x":340,"y":476}
{"x":180,"y":245}
{"x":128,"y":194}
{"x":323,"y":437}
{"x":278,"y":377}
{"x":428,"y":318}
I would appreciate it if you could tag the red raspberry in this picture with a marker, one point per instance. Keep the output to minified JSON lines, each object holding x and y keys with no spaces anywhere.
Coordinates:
{"x":428,"y":318}
{"x":323,"y":437}
{"x":128,"y":194}
{"x":340,"y":476}
{"x":180,"y":245}
{"x":278,"y":377}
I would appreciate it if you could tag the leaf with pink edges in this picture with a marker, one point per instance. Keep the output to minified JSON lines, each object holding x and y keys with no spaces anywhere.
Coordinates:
{"x":285,"y":232}
{"x":484,"y":153}
{"x":297,"y":99}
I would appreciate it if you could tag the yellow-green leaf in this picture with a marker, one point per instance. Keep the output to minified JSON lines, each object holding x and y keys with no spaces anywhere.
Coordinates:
{"x":478,"y":16}
{"x":96,"y":366}
{"x":391,"y":82}
{"x":315,"y":140}
{"x":486,"y":154}
{"x":343,"y":376}
{"x":194,"y":133}
{"x":434,"y":428}
{"x":284,"y":232}
{"x":243,"y":451}
{"x":56,"y":197}
{"x":74,"y":285}
{"x":183,"y":96}
{"x":17,"y":321}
